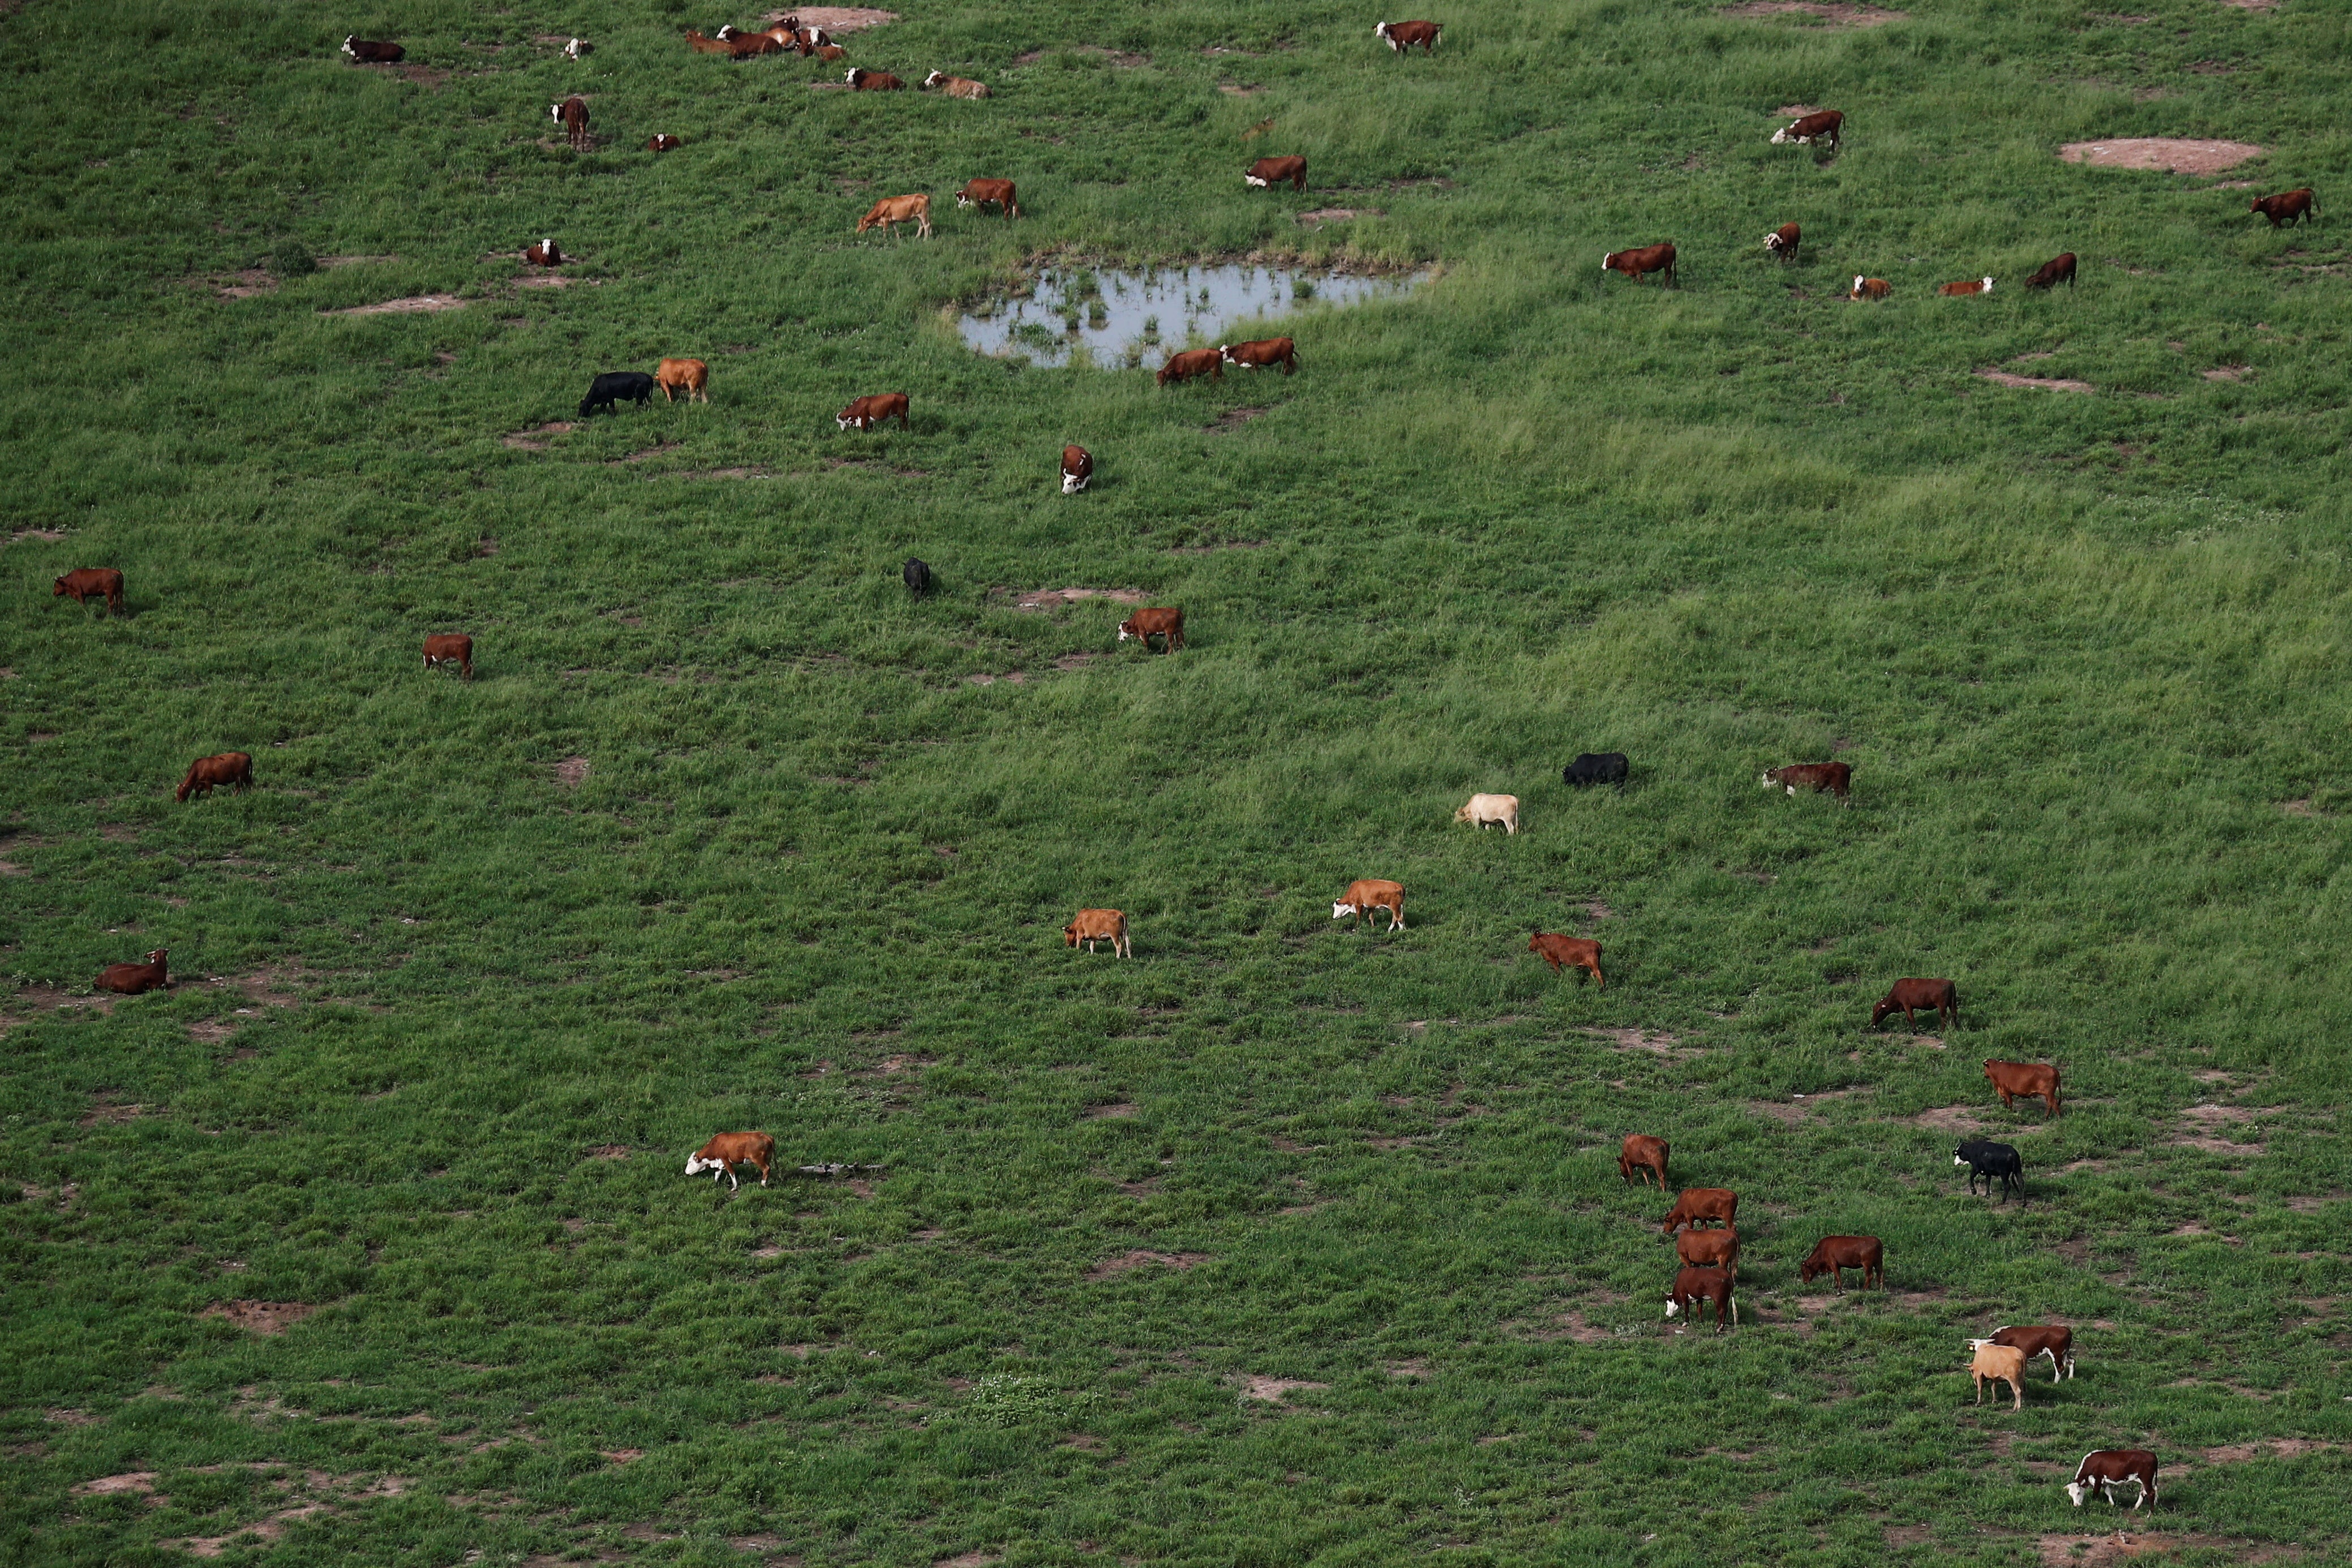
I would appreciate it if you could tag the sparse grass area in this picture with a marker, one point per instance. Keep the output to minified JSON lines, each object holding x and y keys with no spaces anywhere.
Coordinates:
{"x":1281,"y":1243}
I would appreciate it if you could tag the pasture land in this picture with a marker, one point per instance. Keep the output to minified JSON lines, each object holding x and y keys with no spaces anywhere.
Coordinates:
{"x":1282,"y":1243}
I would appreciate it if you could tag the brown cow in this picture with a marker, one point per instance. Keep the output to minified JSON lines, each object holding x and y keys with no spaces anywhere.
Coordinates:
{"x":749,"y":46}
{"x":978,"y":193}
{"x":1184,"y":366}
{"x":1640,"y":263}
{"x":2058,"y":269}
{"x":227,"y":767}
{"x":1368,"y":894}
{"x":1077,"y":467}
{"x":832,"y":54}
{"x":1965,"y":287}
{"x":1093,"y":925}
{"x":691,"y":377}
{"x":129,"y":980}
{"x":1402,"y":35}
{"x":702,"y":46}
{"x":1697,"y":1205}
{"x":1870,"y":288}
{"x":2055,"y":1340}
{"x":573,"y":115}
{"x":86,"y":583}
{"x":2031,"y":1080}
{"x":724,"y":1152}
{"x":1260,"y":354}
{"x":868,"y":412}
{"x":1641,"y":1152}
{"x":451,"y":648}
{"x":1559,"y":951}
{"x":1782,"y":242}
{"x":1837,"y":777}
{"x":2105,"y":1471}
{"x":892,"y":211}
{"x":546,"y":253}
{"x":373,"y":51}
{"x":1168,"y":625}
{"x":1832,"y":1255}
{"x":1693,"y":1288}
{"x":955,"y":87}
{"x":1270,"y":171}
{"x":664,"y":143}
{"x":2287,"y":206}
{"x":1941,"y":996}
{"x":1709,"y":1249}
{"x":864,"y":80}
{"x":1825,"y":125}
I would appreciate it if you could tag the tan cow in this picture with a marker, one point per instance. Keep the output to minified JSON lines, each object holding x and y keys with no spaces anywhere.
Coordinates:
{"x":1997,"y":1365}
{"x":1093,"y":925}
{"x":691,"y":377}
{"x":955,"y":87}
{"x":1485,"y":808}
{"x":1369,"y":894}
{"x":891,"y":211}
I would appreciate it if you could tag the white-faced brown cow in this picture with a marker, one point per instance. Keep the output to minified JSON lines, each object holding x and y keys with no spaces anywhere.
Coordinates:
{"x":2106,"y":1471}
{"x":373,"y":51}
{"x":546,"y":253}
{"x":1167,"y":624}
{"x":451,"y":648}
{"x":864,"y":80}
{"x":1870,"y":288}
{"x":1824,"y":125}
{"x":1077,"y":467}
{"x":1368,"y":894}
{"x":892,"y":211}
{"x":1782,"y":242}
{"x":1640,"y":263}
{"x":1270,"y":171}
{"x":978,"y":193}
{"x":573,"y":115}
{"x":1261,"y":353}
{"x":1965,"y":287}
{"x":1402,"y":35}
{"x":724,"y":1152}
{"x":2055,"y":1340}
{"x":868,"y":412}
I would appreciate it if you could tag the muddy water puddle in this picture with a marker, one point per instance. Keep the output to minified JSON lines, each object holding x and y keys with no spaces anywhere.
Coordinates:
{"x":1111,"y":319}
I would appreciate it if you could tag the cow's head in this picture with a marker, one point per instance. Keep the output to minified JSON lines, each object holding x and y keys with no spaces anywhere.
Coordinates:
{"x":1070,"y":935}
{"x":158,"y":955}
{"x":1253,"y":180}
{"x":844,"y":418}
{"x":1127,"y":630}
{"x":854,"y":74}
{"x":696,"y":1164}
{"x":2075,"y":1492}
{"x":1782,"y":135}
{"x":1339,"y":911}
{"x":934,"y":80}
{"x":1879,"y":1012}
{"x":555,"y":112}
{"x":1673,"y":1305}
{"x":1768,"y":779}
{"x":728,"y":31}
{"x":1070,"y":482}
{"x":1987,"y":286}
{"x":354,"y":53}
{"x":1809,"y":1268}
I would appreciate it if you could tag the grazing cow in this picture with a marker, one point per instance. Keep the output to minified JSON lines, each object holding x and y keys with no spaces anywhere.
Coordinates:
{"x":723,"y":1152}
{"x":573,"y":115}
{"x":2105,"y":1471}
{"x":611,"y":387}
{"x":373,"y":52}
{"x":1782,"y":242}
{"x":2058,"y":269}
{"x":1257,"y":355}
{"x":1368,"y":894}
{"x":1640,"y":263}
{"x":1268,"y":173}
{"x":917,"y":576}
{"x":1184,"y":366}
{"x":691,"y":377}
{"x":955,"y":87}
{"x":1697,"y":1205}
{"x":1093,"y":925}
{"x":1168,"y":625}
{"x":2287,"y":206}
{"x":978,"y":193}
{"x":1693,"y":1288}
{"x":879,"y":408}
{"x":1485,"y":808}
{"x":451,"y":648}
{"x":2032,"y":1079}
{"x":1402,"y":35}
{"x":1709,"y":1249}
{"x":1827,"y":125}
{"x":129,"y":980}
{"x":546,"y":253}
{"x":86,"y":583}
{"x":1077,"y":467}
{"x":1561,"y":951}
{"x":864,"y":80}
{"x":1597,"y":768}
{"x":229,"y":768}
{"x":1989,"y":1160}
{"x":2055,"y":1340}
{"x":1837,"y":777}
{"x":702,"y":46}
{"x":1870,"y":288}
{"x":1641,"y":1152}
{"x":664,"y":143}
{"x":1834,"y":1255}
{"x":578,"y":48}
{"x":891,"y":211}
{"x":1964,"y":288}
{"x":1997,"y":1365}
{"x":1939,"y":997}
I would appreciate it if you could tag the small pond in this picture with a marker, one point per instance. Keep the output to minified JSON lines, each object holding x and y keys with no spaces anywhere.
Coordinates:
{"x":1138,"y":318}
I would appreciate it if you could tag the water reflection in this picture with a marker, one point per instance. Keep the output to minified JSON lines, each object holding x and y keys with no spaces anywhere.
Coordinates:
{"x":1136,"y":319}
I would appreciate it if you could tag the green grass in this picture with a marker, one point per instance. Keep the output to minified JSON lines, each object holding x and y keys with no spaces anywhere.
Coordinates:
{"x":2086,"y":651}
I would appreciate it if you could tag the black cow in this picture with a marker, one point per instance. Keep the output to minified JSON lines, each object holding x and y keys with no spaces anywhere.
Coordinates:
{"x":1596,"y":767}
{"x":1990,"y":1160}
{"x":918,"y":577}
{"x":613,"y":386}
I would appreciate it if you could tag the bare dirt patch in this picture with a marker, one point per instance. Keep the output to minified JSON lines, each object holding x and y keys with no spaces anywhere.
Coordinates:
{"x":243,"y":283}
{"x":1055,"y":598}
{"x":423,"y":76}
{"x":261,"y":1317}
{"x":1950,"y":1119}
{"x":535,"y":438}
{"x":2111,"y":1551}
{"x":726,"y":474}
{"x":1240,"y":89}
{"x":2273,"y":1448}
{"x":571,"y":771}
{"x":1274,"y":1390}
{"x":836,"y":18}
{"x":2046,"y":383}
{"x":1339,"y":214}
{"x":2228,"y":372}
{"x":609,"y":1152}
{"x":2251,"y":4}
{"x":1119,"y":57}
{"x":137,"y":1483}
{"x":1123,"y":1110}
{"x":1141,"y":1259}
{"x":1657,"y":1040}
{"x":2173,"y":155}
{"x":1234,"y":418}
{"x":1796,"y":111}
{"x":1835,"y":15}
{"x":414,"y":305}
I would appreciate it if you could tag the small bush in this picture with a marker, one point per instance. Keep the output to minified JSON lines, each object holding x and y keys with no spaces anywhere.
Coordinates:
{"x":289,"y":257}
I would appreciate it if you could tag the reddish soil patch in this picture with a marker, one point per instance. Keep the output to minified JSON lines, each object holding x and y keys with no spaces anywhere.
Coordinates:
{"x":2173,"y":155}
{"x":622,"y":1456}
{"x":1339,"y":214}
{"x":1121,"y":1111}
{"x":1141,"y":1259}
{"x":836,"y":18}
{"x":424,"y":76}
{"x":1659,"y":1041}
{"x":1835,"y":15}
{"x":415,"y":304}
{"x":2112,"y":1550}
{"x":261,"y":1317}
{"x":2047,"y":383}
{"x":571,"y":771}
{"x":141,"y":1483}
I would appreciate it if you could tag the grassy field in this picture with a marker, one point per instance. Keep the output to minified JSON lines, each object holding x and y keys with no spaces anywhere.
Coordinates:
{"x":1282,"y":1243}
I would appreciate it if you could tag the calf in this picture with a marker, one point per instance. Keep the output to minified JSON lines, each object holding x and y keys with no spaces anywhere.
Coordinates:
{"x":1834,"y":1255}
{"x":978,"y":193}
{"x":1870,"y":288}
{"x":86,"y":583}
{"x":1964,"y":288}
{"x":1368,"y":894}
{"x":2287,"y":206}
{"x":1402,"y":35}
{"x":2058,"y":269}
{"x":1184,"y":366}
{"x":1694,"y":1206}
{"x":1825,"y":125}
{"x":1939,"y":997}
{"x":955,"y":87}
{"x":1561,"y":951}
{"x":573,"y":115}
{"x":2032,"y":1079}
{"x":451,"y":649}
{"x":1639,"y":264}
{"x":2105,"y":1471}
{"x":702,"y":46}
{"x":879,"y":408}
{"x":1989,"y":1160}
{"x":1093,"y":925}
{"x":1485,"y":808}
{"x":1709,"y":1249}
{"x":229,"y":768}
{"x":546,"y":253}
{"x":578,"y":48}
{"x":1997,"y":1365}
{"x":1168,"y":625}
{"x":723,"y":1152}
{"x":129,"y":980}
{"x":690,"y":376}
{"x":373,"y":51}
{"x":1597,"y":768}
{"x":665,"y":142}
{"x":2055,"y":1340}
{"x":1257,"y":355}
{"x":917,"y":576}
{"x":1077,"y":467}
{"x":1782,"y":242}
{"x":864,"y":80}
{"x":1641,"y":1152}
{"x":1837,"y":777}
{"x":832,"y":54}
{"x":611,"y":387}
{"x":1268,"y":173}
{"x":891,"y":211}
{"x":1694,"y":1287}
